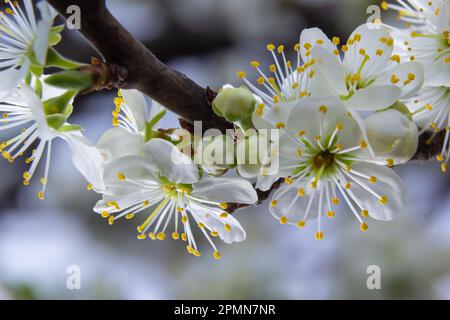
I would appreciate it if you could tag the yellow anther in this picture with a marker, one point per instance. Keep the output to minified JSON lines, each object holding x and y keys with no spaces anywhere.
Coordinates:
{"x":357,"y":37}
{"x":365,"y":213}
{"x":152,"y":235}
{"x":396,"y":58}
{"x":301,"y":192}
{"x":26,"y":175}
{"x":201,"y":225}
{"x":440,"y":158}
{"x":227,"y":227}
{"x":335,"y":201}
{"x":41,"y":195}
{"x":307,"y":46}
{"x":312,"y":73}
{"x":429,"y":107}
{"x":362,"y":52}
{"x":339,"y":126}
{"x":273,"y":68}
{"x":383,"y":200}
{"x":146,"y":203}
{"x":175,"y":235}
{"x":281,"y":125}
{"x":348,"y":185}
{"x":255,"y":64}
{"x":184,"y":237}
{"x":323,"y":109}
{"x":105,"y":214}
{"x":373,"y":179}
{"x":384,"y":5}
{"x":197,"y":253}
{"x":336,"y":52}
{"x":270,"y":47}
{"x":390,"y":162}
{"x":214,"y":234}
{"x":330,"y":214}
{"x":301,"y":224}
{"x":161,"y":236}
{"x":319,"y":235}
{"x":90,"y":187}
{"x":411,"y":76}
{"x":288,"y":180}
{"x":113,"y":204}
{"x":129,"y":216}
{"x":296,"y":47}
{"x":142,"y":236}
{"x":350,"y":42}
{"x":184,"y":219}
{"x":314,"y":184}
{"x":345,"y":48}
{"x":319,"y":41}
{"x":390,"y":42}
{"x":363,"y":144}
{"x":121,"y":176}
{"x":280,"y":48}
{"x":273,"y":203}
{"x":241,"y":74}
{"x":111,"y":220}
{"x":223,"y":205}
{"x":336,"y":41}
{"x":190,"y":249}
{"x":364,"y":226}
{"x":283,"y":220}
{"x":217,"y":255}
{"x":379,"y":52}
{"x":444,"y":167}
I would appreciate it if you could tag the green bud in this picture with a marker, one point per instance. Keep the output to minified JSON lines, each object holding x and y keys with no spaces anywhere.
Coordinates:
{"x":59,"y":104}
{"x":234,"y":104}
{"x":70,"y":79}
{"x":55,"y":59}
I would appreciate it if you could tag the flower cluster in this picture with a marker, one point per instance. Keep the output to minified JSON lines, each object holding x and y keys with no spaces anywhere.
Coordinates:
{"x":328,"y":120}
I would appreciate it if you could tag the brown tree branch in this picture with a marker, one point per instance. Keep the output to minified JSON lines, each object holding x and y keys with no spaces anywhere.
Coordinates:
{"x":145,"y":72}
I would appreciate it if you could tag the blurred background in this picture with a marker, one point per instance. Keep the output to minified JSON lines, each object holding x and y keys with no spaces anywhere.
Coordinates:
{"x":209,"y":40}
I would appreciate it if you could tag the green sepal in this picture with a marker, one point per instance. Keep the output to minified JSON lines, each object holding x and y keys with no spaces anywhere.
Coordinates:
{"x":55,"y":35}
{"x":38,"y":87}
{"x":70,"y":128}
{"x":149,"y":133}
{"x":58,"y":105}
{"x":56,"y":121}
{"x":55,"y":59}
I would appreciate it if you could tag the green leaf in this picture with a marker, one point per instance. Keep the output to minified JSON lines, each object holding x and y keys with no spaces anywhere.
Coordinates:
{"x":55,"y":59}
{"x":56,"y":121}
{"x":70,"y":79}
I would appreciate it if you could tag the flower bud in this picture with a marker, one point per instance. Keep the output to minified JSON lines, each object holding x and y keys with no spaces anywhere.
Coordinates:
{"x":70,"y":79}
{"x":235,"y":105}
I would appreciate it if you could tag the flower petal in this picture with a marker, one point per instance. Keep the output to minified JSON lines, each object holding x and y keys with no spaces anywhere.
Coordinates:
{"x":388,"y":184}
{"x":313,"y":36}
{"x":210,"y":217}
{"x":135,"y":100}
{"x":234,"y":190}
{"x":171,"y":162}
{"x":392,"y":136}
{"x":374,"y":97}
{"x":119,"y":142}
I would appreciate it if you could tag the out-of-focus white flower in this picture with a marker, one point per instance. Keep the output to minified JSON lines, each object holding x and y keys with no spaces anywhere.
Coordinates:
{"x":25,"y":42}
{"x":426,"y":39}
{"x":133,"y":125}
{"x":369,"y":77}
{"x":25,"y":114}
{"x":323,"y":153}
{"x":166,"y":178}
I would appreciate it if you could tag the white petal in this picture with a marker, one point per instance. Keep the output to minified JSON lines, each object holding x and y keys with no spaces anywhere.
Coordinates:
{"x":374,"y":97}
{"x":86,"y":159}
{"x":402,"y":71}
{"x":333,"y":72}
{"x":119,"y":142}
{"x":388,"y":184}
{"x":171,"y":162}
{"x":392,"y":136}
{"x":437,"y":73}
{"x":135,"y":100}
{"x":311,"y":37}
{"x":210,"y":217}
{"x":234,"y":190}
{"x":368,"y":45}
